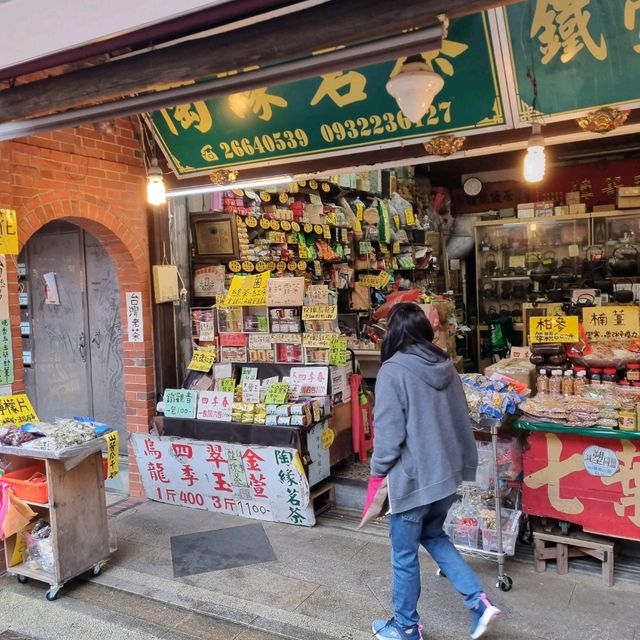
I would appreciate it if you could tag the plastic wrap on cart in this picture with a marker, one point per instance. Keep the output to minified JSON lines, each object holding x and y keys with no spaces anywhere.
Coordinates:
{"x":264,"y":483}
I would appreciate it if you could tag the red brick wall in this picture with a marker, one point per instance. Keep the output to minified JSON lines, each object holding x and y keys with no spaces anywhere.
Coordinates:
{"x":97,"y":182}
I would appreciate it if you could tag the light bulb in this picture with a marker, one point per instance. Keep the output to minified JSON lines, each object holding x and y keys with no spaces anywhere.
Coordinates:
{"x":534,"y":161}
{"x":156,"y":194}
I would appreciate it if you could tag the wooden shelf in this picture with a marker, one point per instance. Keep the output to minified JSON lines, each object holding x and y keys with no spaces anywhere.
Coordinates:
{"x":24,"y":569}
{"x":518,"y":326}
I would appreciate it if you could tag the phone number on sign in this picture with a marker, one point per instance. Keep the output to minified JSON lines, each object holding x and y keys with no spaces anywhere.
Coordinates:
{"x":267,"y":143}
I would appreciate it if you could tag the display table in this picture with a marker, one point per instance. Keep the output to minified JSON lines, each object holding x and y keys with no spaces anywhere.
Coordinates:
{"x":586,"y":476}
{"x":75,"y":508}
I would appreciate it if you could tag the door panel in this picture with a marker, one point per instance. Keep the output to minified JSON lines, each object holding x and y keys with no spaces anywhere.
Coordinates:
{"x":60,"y":384}
{"x":105,"y":339}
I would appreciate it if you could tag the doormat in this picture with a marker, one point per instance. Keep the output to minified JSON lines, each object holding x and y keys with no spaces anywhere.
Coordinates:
{"x":206,"y":551}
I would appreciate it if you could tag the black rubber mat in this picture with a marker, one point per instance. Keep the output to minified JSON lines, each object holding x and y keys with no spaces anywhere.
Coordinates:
{"x":206,"y":551}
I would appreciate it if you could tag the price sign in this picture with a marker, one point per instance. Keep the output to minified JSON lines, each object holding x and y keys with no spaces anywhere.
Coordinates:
{"x":259,"y":341}
{"x":395,"y":247}
{"x":313,"y":381}
{"x":314,"y":198}
{"x":233,"y":339}
{"x":369,"y":280}
{"x":286,"y":338}
{"x":285,"y":291}
{"x":320,"y":312}
{"x":202,"y":360}
{"x":408,"y":214}
{"x":277,"y":393}
{"x":215,"y":405}
{"x":247,"y":291}
{"x":251,"y":391}
{"x":8,"y":232}
{"x":249,"y":373}
{"x":317,"y":340}
{"x":610,"y":323}
{"x":180,"y":403}
{"x":364,"y":247}
{"x":338,"y":351}
{"x":16,"y":409}
{"x":318,"y":294}
{"x":207,"y":331}
{"x":226,"y":384}
{"x":553,"y":329}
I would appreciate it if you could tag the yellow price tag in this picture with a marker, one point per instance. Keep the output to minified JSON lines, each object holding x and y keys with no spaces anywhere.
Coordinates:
{"x":357,"y":227}
{"x":320,"y":312}
{"x":8,"y":232}
{"x":611,"y":323}
{"x":277,"y":393}
{"x":227,"y":385}
{"x":202,"y":360}
{"x":553,"y":329}
{"x":408,"y":214}
{"x":113,"y":454}
{"x":326,"y":232}
{"x":396,"y":247}
{"x":16,"y":409}
{"x":247,"y":291}
{"x":396,"y":220}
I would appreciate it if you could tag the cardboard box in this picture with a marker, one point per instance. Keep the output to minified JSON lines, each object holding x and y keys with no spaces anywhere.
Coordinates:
{"x":577,"y":208}
{"x":526,"y":210}
{"x":165,"y":283}
{"x":604,"y":207}
{"x":572,"y":197}
{"x":515,"y":368}
{"x":561,"y":211}
{"x":543,"y":209}
{"x":340,"y":422}
{"x":628,"y":197}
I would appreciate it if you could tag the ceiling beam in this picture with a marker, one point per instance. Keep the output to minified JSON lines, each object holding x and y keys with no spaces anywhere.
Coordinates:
{"x":285,"y":38}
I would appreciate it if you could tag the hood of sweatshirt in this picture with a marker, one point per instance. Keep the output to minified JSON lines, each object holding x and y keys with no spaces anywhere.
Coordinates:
{"x":428,"y":363}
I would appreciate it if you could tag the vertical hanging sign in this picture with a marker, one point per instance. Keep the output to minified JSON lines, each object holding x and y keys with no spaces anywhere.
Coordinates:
{"x":8,"y":232}
{"x":6,"y":346}
{"x":135,"y":323}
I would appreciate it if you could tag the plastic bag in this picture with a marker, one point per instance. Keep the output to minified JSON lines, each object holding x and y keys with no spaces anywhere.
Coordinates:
{"x":40,"y":546}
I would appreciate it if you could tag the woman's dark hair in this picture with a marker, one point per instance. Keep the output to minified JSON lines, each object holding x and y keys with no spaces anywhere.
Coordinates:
{"x":407,"y":325}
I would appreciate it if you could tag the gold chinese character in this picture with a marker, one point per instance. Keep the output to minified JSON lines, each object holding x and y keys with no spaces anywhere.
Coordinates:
{"x":194,"y":114}
{"x":630,"y":8}
{"x":628,"y":476}
{"x":551,"y":475}
{"x":351,"y":83}
{"x":258,"y":101}
{"x":564,"y":24}
{"x":450,"y":49}
{"x":611,"y":185}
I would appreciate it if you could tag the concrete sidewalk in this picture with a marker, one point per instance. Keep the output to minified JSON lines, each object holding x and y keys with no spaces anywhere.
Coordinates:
{"x":330,"y":581}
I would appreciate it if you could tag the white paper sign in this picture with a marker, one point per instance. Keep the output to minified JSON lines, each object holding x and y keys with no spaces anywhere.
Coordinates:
{"x":215,"y":405}
{"x":317,"y":294}
{"x":313,"y":381}
{"x":51,"y":295}
{"x":285,"y":292}
{"x":207,"y":331}
{"x":260,"y":341}
{"x":135,"y":322}
{"x":251,"y":391}
{"x":221,"y":371}
{"x":264,"y":483}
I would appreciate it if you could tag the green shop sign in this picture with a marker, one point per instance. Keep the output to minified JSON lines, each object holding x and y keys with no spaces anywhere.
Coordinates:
{"x":336,"y":111}
{"x":582,"y":53}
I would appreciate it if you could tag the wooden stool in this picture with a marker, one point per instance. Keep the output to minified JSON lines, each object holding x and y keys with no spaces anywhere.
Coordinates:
{"x":573,"y":546}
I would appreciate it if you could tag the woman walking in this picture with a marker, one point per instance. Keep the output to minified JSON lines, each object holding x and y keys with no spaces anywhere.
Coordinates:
{"x":425,"y":446}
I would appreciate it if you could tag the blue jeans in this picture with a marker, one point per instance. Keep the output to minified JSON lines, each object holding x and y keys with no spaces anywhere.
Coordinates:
{"x":423,"y":526}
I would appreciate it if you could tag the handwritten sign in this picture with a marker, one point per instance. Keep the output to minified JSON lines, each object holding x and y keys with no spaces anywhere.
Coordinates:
{"x":180,"y":403}
{"x":16,"y":409}
{"x":264,"y":483}
{"x":135,"y":322}
{"x":215,"y":405}
{"x":226,"y":384}
{"x":259,"y":341}
{"x":8,"y":232}
{"x":607,"y":323}
{"x":313,"y":381}
{"x":286,"y":338}
{"x":318,"y":294}
{"x":553,"y":329}
{"x":285,"y":292}
{"x":6,"y":352}
{"x":249,"y":373}
{"x":317,"y":340}
{"x":113,"y":455}
{"x":376,"y":281}
{"x":251,"y":391}
{"x":247,"y":291}
{"x":222,"y":371}
{"x":202,"y":360}
{"x":338,"y":351}
{"x":320,"y":312}
{"x":520,"y":353}
{"x":207,"y":331}
{"x":277,"y":393}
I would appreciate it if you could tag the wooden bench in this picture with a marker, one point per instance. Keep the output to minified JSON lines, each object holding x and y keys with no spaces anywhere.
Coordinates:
{"x":562,"y":547}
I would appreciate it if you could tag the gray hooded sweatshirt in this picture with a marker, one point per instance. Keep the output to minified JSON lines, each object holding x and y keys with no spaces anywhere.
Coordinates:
{"x":423,"y":439}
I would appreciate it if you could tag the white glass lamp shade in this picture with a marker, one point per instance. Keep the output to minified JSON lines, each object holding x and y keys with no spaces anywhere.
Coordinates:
{"x":414,"y":88}
{"x":534,"y":161}
{"x":156,"y":194}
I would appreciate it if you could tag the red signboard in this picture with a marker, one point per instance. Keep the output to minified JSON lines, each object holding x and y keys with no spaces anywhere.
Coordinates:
{"x":593,"y":482}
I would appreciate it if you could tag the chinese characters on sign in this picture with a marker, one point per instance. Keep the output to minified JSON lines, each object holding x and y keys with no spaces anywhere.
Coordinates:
{"x":135,"y":322}
{"x":180,"y":403}
{"x":16,"y":409}
{"x":338,"y":351}
{"x":593,"y":482}
{"x":202,"y":360}
{"x":6,"y":344}
{"x":247,"y":291}
{"x":215,"y":405}
{"x":313,"y":381}
{"x":553,"y":329}
{"x":113,"y":456}
{"x":606,"y":323}
{"x":8,"y":232}
{"x":320,"y":312}
{"x":264,"y":483}
{"x":285,"y":292}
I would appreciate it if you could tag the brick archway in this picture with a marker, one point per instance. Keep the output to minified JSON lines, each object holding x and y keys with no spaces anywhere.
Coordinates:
{"x":130,"y":256}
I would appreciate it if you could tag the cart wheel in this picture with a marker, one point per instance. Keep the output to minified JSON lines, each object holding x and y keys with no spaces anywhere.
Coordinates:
{"x":441,"y":574}
{"x":96,"y":571}
{"x":52,"y":595}
{"x":504,"y":583}
{"x":22,"y":579}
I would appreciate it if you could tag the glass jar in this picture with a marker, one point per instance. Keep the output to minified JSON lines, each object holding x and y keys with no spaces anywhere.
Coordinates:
{"x":580,"y":382}
{"x":628,"y":417}
{"x":555,"y":383}
{"x":542,"y":382}
{"x":633,"y":372}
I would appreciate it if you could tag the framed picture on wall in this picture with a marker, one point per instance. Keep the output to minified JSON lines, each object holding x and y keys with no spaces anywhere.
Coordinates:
{"x":215,"y":236}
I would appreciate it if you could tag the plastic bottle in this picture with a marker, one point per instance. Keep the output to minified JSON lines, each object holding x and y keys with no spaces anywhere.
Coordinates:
{"x":580,"y":382}
{"x":542,"y":383}
{"x":567,"y":383}
{"x":555,"y":384}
